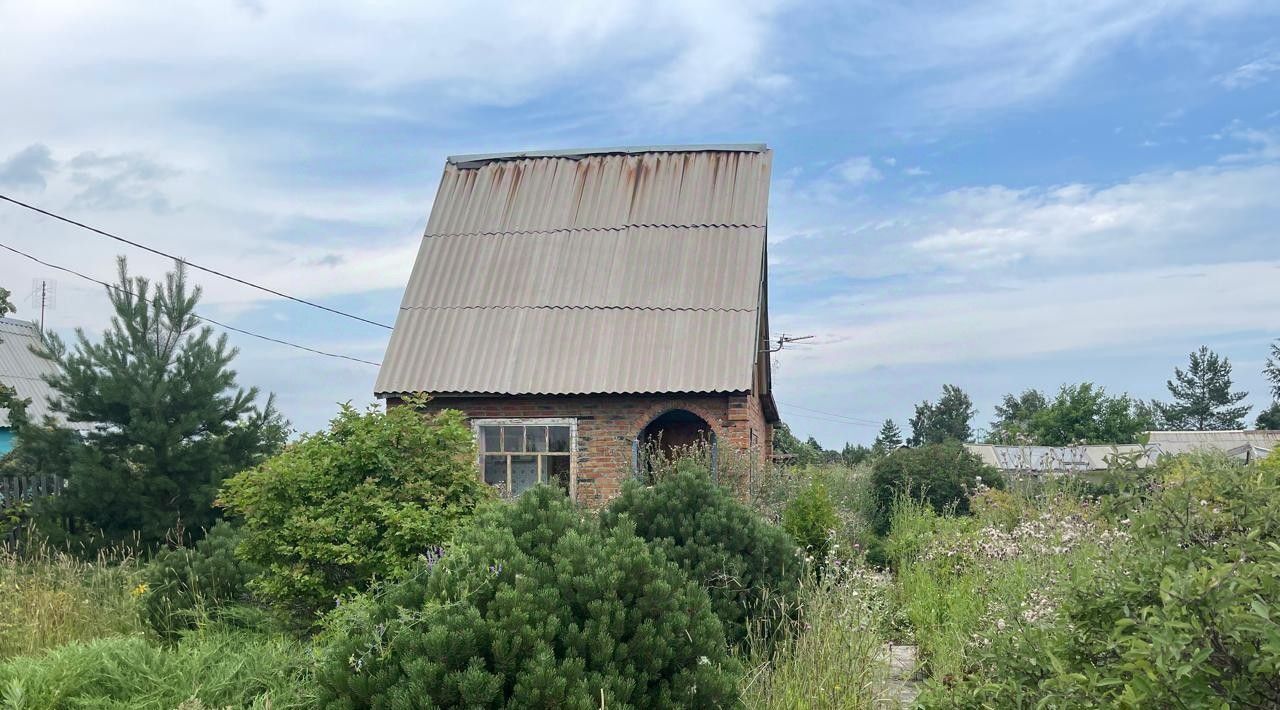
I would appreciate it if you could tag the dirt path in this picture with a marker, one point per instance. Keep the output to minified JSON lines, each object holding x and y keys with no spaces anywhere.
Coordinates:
{"x":901,"y":689}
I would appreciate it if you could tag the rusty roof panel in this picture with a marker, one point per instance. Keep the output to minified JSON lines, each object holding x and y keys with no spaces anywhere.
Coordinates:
{"x":653,"y":267}
{"x":569,"y":351}
{"x":603,"y":192}
{"x":609,"y":271}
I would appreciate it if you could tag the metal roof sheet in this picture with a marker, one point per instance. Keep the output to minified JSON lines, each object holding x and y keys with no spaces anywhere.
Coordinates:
{"x":648,"y":267}
{"x":603,"y":192}
{"x":569,"y":351}
{"x":22,"y":369}
{"x":615,"y":271}
{"x":475,"y":160}
{"x":1181,"y":442}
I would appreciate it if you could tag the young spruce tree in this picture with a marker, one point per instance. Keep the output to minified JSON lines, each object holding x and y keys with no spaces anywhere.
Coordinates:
{"x":889,"y":438}
{"x":1202,"y":396}
{"x":169,"y":422}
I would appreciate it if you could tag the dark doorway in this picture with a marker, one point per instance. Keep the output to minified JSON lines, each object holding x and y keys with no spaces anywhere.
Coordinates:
{"x":675,"y":434}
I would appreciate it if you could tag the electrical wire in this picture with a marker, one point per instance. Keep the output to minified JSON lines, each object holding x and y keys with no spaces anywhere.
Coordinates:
{"x":180,"y":260}
{"x":848,"y":419}
{"x":206,"y":319}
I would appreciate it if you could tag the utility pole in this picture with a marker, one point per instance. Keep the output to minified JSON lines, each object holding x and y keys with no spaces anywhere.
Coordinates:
{"x":46,"y":292}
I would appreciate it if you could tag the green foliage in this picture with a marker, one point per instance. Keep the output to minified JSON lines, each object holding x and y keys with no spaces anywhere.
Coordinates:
{"x":171,"y":421}
{"x":1271,"y":370}
{"x":746,"y":565}
{"x":51,"y":597}
{"x":214,"y":670}
{"x":186,"y":585}
{"x":6,"y":306}
{"x":535,"y":606}
{"x":1202,"y":396}
{"x":1078,"y":414}
{"x":853,"y":454}
{"x":946,"y":420}
{"x":358,"y":502}
{"x":889,"y":438}
{"x":832,"y":656}
{"x":796,"y":452}
{"x":811,"y":519}
{"x":940,"y":474}
{"x":1269,"y":418}
{"x":1184,"y":615}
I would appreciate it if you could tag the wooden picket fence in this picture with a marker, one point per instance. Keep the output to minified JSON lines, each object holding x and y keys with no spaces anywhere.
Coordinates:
{"x":25,"y":488}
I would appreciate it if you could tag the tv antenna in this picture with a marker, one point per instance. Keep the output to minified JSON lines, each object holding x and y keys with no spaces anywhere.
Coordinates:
{"x":784,"y":340}
{"x":44,"y":292}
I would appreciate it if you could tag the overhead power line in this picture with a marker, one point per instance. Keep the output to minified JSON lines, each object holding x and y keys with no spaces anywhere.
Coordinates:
{"x":205,"y":269}
{"x":828,"y":420}
{"x":850,"y":419}
{"x":206,"y":319}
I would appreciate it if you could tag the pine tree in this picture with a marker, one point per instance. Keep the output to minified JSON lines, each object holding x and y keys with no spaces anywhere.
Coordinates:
{"x":169,"y":422}
{"x":1202,"y":396}
{"x":1269,"y":418}
{"x":6,"y":306}
{"x":889,"y":438}
{"x":946,"y":420}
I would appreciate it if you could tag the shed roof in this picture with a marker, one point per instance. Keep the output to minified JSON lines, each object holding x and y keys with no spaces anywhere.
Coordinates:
{"x":618,"y":270}
{"x":21,"y":369}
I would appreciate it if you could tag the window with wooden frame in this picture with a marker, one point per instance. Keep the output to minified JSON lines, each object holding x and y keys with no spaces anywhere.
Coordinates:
{"x":518,"y":454}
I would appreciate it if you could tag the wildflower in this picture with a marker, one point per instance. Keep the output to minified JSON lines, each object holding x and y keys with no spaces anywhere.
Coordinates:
{"x":703,"y":660}
{"x":139,"y":590}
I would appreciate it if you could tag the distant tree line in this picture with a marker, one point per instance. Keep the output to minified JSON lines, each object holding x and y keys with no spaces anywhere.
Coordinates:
{"x":1201,"y":399}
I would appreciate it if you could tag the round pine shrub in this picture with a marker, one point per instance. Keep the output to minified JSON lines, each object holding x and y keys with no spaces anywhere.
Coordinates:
{"x":359,"y":502}
{"x":750,"y":568}
{"x":184,"y":585}
{"x":534,"y":606}
{"x":941,"y":475}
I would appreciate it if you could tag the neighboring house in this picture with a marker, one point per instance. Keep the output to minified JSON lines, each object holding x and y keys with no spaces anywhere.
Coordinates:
{"x":579,"y":304}
{"x":21,"y":370}
{"x":1246,"y":445}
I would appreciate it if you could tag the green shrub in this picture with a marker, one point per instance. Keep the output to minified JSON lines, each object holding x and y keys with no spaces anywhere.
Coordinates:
{"x":187,"y":584}
{"x":750,"y":568}
{"x":1184,"y":615}
{"x":811,"y":519}
{"x":356,"y":503}
{"x":940,"y":474}
{"x":535,"y":606}
{"x":204,"y":670}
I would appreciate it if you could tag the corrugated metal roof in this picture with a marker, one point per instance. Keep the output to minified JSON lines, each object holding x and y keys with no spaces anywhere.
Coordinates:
{"x":1059,"y":459}
{"x":1181,"y":442}
{"x":603,"y":192}
{"x":21,"y":369}
{"x":570,"y":351}
{"x":614,"y":271}
{"x":645,"y":267}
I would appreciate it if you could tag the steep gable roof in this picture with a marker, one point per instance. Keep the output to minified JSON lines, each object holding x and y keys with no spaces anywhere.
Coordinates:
{"x":21,"y":369}
{"x":574,"y":272}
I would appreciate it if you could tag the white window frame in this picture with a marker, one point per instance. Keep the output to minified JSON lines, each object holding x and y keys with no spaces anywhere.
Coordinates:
{"x":531,"y":421}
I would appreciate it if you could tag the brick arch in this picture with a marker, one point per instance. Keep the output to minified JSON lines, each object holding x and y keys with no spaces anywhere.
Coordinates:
{"x":649,"y":415}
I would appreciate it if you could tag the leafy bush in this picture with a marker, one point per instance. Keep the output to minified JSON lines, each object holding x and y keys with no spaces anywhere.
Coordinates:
{"x":355,"y":503}
{"x":1182,"y":616}
{"x":939,"y":474}
{"x":184,"y":585}
{"x":205,"y":670}
{"x":749,"y":568}
{"x":535,"y":606}
{"x":811,"y":519}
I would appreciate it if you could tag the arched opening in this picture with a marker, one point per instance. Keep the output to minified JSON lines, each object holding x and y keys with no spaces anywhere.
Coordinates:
{"x":675,"y":433}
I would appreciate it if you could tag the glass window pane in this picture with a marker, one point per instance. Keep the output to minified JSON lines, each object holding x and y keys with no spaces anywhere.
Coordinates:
{"x":491,"y":438}
{"x":535,"y":438}
{"x":556,"y":469}
{"x":524,"y":473}
{"x":495,"y":472}
{"x":558,"y":438}
{"x":513,"y":438}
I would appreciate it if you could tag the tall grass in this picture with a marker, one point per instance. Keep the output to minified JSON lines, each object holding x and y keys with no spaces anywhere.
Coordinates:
{"x":49,"y":597}
{"x":212,"y":669}
{"x":832,"y":657}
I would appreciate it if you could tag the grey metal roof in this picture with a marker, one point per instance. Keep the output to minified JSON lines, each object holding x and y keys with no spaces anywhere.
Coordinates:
{"x":477,"y":159}
{"x":621,"y":270}
{"x":21,"y":369}
{"x":1059,"y":459}
{"x":1181,"y":442}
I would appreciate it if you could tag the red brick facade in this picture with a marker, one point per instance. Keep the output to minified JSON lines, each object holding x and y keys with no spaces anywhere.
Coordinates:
{"x":608,"y":424}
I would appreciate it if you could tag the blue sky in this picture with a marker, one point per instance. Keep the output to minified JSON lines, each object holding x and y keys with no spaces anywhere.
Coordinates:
{"x":994,"y":194}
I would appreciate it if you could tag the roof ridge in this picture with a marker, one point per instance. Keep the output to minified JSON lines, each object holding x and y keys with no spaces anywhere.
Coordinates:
{"x":617,"y":228}
{"x":579,"y":308}
{"x":475,"y":160}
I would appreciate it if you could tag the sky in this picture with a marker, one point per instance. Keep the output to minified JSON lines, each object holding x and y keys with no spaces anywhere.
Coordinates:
{"x":997,"y":194}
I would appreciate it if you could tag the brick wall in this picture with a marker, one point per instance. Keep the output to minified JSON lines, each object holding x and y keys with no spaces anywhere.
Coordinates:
{"x":607,"y":424}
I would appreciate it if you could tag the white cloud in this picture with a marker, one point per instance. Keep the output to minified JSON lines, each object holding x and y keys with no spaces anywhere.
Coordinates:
{"x":1252,"y":73}
{"x":1032,"y":315}
{"x":858,"y":170}
{"x":915,"y":171}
